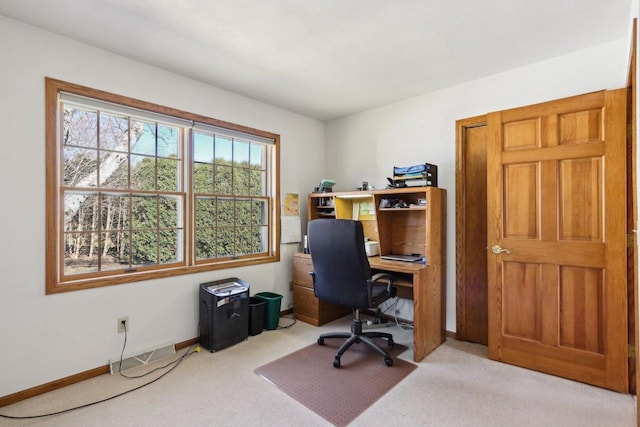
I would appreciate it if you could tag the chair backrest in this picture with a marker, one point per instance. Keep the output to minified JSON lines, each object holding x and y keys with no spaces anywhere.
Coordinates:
{"x":340,"y":263}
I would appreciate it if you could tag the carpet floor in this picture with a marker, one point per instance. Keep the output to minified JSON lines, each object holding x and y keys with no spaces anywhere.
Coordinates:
{"x":456,"y":385}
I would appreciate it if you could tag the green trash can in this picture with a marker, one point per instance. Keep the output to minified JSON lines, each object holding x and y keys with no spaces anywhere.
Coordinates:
{"x":272,"y":309}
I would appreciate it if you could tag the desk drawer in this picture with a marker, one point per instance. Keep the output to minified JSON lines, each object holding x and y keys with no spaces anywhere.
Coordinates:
{"x":310,"y":309}
{"x":302,"y":265}
{"x":305,"y":304}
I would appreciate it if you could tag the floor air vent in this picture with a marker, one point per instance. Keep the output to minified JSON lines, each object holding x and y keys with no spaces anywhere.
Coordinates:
{"x":143,"y":358}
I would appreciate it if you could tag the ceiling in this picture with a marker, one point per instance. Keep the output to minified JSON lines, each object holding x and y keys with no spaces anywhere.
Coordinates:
{"x":330,"y":58}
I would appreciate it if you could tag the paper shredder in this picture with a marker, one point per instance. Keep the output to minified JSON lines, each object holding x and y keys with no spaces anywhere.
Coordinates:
{"x":224,"y":313}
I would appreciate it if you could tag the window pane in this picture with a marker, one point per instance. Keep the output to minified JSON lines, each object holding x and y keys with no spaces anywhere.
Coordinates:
{"x":226,"y":214}
{"x":202,"y":148}
{"x":169,"y":244}
{"x":79,"y":127}
{"x":114,"y":132}
{"x":203,"y":178}
{"x":205,"y":213}
{"x":114,"y":170}
{"x":144,"y":245}
{"x":80,"y":253}
{"x":168,"y":175}
{"x":205,"y":243}
{"x":114,"y":247}
{"x":240,"y":153}
{"x":243,"y":212}
{"x":168,"y":138}
{"x":243,"y":241}
{"x":258,"y":212}
{"x":169,"y":212}
{"x":257,"y":156}
{"x":256,"y":180}
{"x":223,"y":176}
{"x":240,"y":181}
{"x":80,"y":167}
{"x":224,"y":241}
{"x":81,"y":211}
{"x":115,"y":211}
{"x":261,"y":240}
{"x":144,"y":212}
{"x":143,"y":173}
{"x":223,"y":150}
{"x":143,"y":137}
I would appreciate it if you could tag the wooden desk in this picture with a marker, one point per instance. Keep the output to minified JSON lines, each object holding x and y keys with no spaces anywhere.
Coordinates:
{"x":404,"y":221}
{"x":423,"y":283}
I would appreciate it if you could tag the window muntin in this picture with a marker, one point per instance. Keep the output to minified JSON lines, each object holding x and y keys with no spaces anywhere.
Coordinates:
{"x":140,"y":193}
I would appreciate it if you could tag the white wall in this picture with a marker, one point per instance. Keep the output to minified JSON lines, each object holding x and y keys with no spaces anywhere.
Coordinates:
{"x":366,"y":146}
{"x":45,"y":338}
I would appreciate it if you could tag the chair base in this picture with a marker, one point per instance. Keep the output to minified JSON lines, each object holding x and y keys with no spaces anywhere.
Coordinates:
{"x":357,"y":336}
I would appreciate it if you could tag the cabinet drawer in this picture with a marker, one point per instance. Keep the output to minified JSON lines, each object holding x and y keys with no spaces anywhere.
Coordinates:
{"x":305,"y":302}
{"x":310,"y":309}
{"x":302,"y":265}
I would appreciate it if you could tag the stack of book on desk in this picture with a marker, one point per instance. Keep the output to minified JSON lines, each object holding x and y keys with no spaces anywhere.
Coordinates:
{"x":422,"y":175}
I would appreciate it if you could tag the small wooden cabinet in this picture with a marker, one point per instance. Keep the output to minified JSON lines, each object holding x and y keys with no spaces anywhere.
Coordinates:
{"x":306,"y":306}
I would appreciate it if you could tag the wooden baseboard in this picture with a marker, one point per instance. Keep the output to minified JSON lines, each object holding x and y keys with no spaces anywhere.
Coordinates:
{"x":72,"y":379}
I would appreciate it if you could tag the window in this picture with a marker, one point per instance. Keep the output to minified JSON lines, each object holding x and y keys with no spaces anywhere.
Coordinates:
{"x":137,"y":191}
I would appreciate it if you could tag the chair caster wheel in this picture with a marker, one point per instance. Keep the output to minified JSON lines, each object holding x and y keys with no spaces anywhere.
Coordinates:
{"x":336,"y":362}
{"x":387,"y":360}
{"x":320,"y":341}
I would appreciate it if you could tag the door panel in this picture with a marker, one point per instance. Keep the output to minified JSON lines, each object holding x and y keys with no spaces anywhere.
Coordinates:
{"x":521,"y":201}
{"x":522,"y":300}
{"x":556,"y":204}
{"x":582,"y":309}
{"x":580,"y":199}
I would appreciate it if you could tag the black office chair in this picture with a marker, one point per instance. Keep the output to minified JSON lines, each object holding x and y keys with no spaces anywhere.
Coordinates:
{"x":342,"y":276}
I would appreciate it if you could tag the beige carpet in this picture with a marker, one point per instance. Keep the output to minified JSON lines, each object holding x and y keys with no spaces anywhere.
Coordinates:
{"x":456,"y":385}
{"x":337,"y":395}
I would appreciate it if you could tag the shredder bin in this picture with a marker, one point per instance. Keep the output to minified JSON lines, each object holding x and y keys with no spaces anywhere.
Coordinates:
{"x":272,"y":309}
{"x":224,"y":313}
{"x":256,"y":315}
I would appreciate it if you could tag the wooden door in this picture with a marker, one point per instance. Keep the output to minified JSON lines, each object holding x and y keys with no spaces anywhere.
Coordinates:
{"x":556,"y":213}
{"x":471,"y":230}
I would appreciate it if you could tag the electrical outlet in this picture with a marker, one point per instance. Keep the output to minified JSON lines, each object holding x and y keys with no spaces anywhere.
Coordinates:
{"x":123,"y":324}
{"x":291,"y":285}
